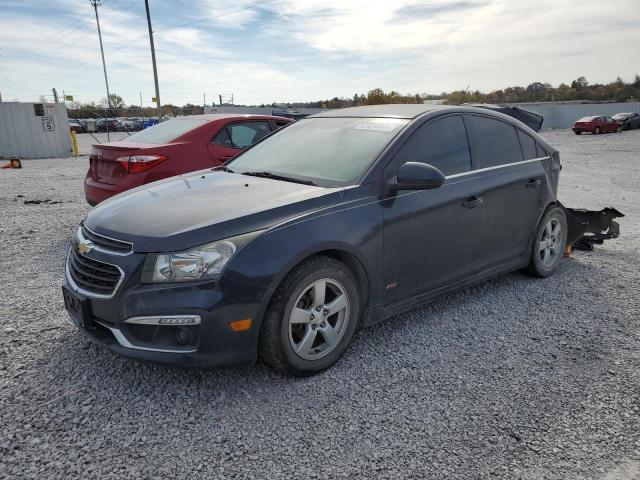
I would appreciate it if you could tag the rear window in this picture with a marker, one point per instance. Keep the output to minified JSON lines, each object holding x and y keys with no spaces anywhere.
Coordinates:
{"x":496,"y":141}
{"x":166,"y":131}
{"x":587,"y":119}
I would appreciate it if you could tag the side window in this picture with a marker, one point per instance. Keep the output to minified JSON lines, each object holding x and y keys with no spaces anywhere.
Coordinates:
{"x":245,"y":134}
{"x":441,"y":143}
{"x":222,"y":138}
{"x":528,"y":145}
{"x":496,"y":141}
{"x":280,"y":124}
{"x":541,"y":151}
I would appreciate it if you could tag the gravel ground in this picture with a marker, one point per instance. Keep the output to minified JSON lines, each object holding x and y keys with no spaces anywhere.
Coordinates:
{"x":514,"y":378}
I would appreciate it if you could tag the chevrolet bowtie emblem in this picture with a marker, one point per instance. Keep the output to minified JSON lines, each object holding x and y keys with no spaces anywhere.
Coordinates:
{"x":84,"y":247}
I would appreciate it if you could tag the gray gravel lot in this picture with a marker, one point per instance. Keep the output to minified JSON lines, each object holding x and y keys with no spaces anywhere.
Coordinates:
{"x":514,"y":378}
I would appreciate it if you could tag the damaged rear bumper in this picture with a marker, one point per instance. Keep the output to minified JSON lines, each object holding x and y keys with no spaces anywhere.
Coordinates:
{"x":590,"y":227}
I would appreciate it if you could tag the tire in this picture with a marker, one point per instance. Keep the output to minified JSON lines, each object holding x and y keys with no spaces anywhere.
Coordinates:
{"x":577,"y":132}
{"x":596,"y":131}
{"x":301,"y":339}
{"x":547,"y":250}
{"x":618,"y":130}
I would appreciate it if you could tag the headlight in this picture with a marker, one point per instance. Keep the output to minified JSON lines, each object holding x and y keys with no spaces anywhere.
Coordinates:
{"x":205,"y":262}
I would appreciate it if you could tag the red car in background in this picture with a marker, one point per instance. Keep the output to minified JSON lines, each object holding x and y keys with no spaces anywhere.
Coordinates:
{"x":596,"y":125}
{"x":171,"y":148}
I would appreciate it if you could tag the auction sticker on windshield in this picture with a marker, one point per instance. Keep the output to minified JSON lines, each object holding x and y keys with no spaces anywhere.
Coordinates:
{"x":380,"y":124}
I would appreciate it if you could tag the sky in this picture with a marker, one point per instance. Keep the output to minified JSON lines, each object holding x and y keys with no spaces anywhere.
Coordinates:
{"x":266,"y":51}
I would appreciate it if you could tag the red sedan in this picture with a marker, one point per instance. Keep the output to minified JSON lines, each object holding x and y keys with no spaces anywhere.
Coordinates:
{"x":596,"y":125}
{"x":171,"y":148}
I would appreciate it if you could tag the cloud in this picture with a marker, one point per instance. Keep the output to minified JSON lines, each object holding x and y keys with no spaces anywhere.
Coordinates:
{"x":296,"y":50}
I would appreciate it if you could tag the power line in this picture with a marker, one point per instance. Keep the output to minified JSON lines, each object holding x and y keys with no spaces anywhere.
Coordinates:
{"x":248,"y":7}
{"x":73,"y":30}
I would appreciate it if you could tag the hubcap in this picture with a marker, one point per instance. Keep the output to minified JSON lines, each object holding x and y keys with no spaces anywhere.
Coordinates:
{"x":319,"y":319}
{"x":550,"y":244}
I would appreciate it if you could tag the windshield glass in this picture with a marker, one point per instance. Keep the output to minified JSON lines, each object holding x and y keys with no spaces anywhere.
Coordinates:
{"x":166,"y":131}
{"x":587,"y":119}
{"x":622,"y":116}
{"x":327,"y":151}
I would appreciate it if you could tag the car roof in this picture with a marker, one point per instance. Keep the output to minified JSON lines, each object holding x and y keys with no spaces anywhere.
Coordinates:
{"x":211,"y":117}
{"x":403,"y":110}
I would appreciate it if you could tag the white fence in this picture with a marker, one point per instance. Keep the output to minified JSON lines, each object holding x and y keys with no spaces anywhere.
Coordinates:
{"x":564,"y":115}
{"x":34,"y":130}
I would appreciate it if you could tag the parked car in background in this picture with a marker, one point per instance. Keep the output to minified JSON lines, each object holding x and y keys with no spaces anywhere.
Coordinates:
{"x":171,"y":148}
{"x":102,"y":125}
{"x":629,"y":121}
{"x":596,"y":124}
{"x":337,"y":221}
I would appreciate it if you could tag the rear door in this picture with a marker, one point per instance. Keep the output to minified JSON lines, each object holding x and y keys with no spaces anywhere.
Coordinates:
{"x":430,"y":236}
{"x":514,"y":181}
{"x":234,"y":137}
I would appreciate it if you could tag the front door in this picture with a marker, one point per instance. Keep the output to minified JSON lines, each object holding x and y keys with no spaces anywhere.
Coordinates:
{"x":431,"y":236}
{"x":234,"y":137}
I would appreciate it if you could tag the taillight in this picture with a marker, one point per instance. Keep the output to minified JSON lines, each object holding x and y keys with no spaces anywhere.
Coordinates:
{"x":140,"y":163}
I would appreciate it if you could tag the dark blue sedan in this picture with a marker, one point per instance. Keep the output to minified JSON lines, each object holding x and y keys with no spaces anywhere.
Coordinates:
{"x":333,"y":223}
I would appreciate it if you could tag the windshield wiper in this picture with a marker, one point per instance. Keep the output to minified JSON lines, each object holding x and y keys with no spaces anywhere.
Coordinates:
{"x":275,"y":176}
{"x":222,"y":168}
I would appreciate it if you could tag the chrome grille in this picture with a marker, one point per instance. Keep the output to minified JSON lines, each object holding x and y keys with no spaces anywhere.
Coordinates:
{"x":91,"y":277}
{"x":105,"y":244}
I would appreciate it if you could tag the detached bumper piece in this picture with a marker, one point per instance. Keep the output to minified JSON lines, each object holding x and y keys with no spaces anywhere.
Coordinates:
{"x":590,"y":227}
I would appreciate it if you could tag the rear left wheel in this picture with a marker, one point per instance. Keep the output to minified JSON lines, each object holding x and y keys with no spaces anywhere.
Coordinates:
{"x":312,"y":318}
{"x":549,"y":245}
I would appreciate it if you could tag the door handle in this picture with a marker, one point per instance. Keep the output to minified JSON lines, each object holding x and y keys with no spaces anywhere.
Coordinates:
{"x":224,"y":158}
{"x":472,"y":202}
{"x":533,"y":183}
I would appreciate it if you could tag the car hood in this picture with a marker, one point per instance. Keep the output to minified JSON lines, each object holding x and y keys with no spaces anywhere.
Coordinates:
{"x":189,"y":210}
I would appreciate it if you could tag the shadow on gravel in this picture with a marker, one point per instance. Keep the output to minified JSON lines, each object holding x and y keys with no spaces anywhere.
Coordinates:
{"x":455,"y":314}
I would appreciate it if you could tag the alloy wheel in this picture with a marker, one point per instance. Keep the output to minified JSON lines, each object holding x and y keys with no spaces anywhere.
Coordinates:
{"x":550,"y":244}
{"x":319,"y":319}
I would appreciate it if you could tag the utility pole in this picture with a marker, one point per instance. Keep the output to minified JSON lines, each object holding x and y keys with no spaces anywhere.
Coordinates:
{"x":220,"y":98}
{"x":55,"y":95}
{"x":95,"y":4}
{"x":153,"y":60}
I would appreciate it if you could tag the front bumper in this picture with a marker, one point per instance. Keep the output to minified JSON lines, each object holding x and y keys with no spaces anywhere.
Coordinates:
{"x":212,"y":343}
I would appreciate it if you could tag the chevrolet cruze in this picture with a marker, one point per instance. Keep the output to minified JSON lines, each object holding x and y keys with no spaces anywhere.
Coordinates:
{"x":335,"y":222}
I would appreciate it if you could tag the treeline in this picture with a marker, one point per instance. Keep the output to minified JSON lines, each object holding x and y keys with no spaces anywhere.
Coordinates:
{"x":579,"y":89}
{"x":91,"y":110}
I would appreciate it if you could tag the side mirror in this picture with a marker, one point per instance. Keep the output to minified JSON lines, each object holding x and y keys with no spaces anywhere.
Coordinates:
{"x":418,"y":176}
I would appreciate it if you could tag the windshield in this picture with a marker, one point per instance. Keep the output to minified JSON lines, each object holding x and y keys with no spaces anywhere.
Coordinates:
{"x":622,"y":116}
{"x":587,"y":119}
{"x":326,"y":151}
{"x":166,"y":132}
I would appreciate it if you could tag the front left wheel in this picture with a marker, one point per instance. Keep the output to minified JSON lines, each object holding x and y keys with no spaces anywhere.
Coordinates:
{"x":311,"y":319}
